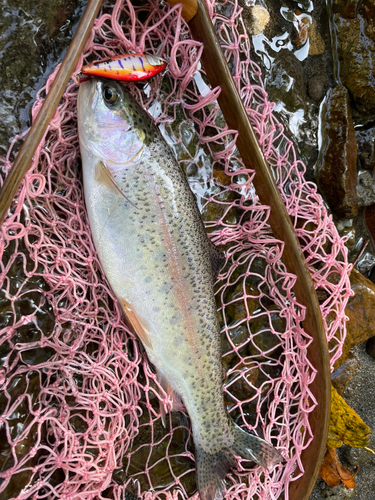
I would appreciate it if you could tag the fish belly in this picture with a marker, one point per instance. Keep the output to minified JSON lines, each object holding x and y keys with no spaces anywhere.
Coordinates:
{"x":154,"y":251}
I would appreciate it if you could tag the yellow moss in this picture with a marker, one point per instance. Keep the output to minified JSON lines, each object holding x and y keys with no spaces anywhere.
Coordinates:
{"x":345,"y":425}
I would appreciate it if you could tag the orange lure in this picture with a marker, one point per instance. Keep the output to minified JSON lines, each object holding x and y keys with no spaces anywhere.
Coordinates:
{"x":128,"y":67}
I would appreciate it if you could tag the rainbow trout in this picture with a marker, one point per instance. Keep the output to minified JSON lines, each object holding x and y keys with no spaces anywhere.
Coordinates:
{"x":158,"y":260}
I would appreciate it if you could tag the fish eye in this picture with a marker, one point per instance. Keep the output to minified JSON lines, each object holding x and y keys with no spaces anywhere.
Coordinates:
{"x":110,"y":95}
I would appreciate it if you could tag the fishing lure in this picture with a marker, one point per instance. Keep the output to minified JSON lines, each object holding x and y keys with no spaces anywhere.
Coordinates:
{"x":127,"y":67}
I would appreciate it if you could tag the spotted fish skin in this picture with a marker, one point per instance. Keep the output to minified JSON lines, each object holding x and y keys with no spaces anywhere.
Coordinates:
{"x":127,"y":67}
{"x":155,"y":253}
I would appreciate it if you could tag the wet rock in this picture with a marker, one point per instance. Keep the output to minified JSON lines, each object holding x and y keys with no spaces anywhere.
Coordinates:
{"x":369,"y":216}
{"x":367,"y":9}
{"x":361,"y":313}
{"x":356,"y":61}
{"x":33,"y":36}
{"x":317,"y":45}
{"x":341,"y":377}
{"x":240,"y":305}
{"x":370,"y":347}
{"x":240,"y":385}
{"x":346,"y":8}
{"x":366,"y":189}
{"x":349,"y":232}
{"x":264,"y":342}
{"x":218,"y":210}
{"x":234,"y":345}
{"x":285,"y":81}
{"x":260,"y":18}
{"x":366,"y":148}
{"x":316,"y":86}
{"x":336,"y":168}
{"x":366,"y":262}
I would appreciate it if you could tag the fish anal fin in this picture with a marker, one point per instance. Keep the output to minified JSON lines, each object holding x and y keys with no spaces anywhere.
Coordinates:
{"x":163,"y":414}
{"x":254,"y":448}
{"x":137,"y":325}
{"x":217,"y":259}
{"x":104,"y":176}
{"x":174,"y":401}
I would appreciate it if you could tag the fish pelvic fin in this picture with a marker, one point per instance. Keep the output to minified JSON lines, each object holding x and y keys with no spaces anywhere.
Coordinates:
{"x":213,"y":467}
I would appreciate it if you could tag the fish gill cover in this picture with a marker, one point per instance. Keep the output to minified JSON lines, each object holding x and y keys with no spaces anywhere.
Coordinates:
{"x":80,"y":404}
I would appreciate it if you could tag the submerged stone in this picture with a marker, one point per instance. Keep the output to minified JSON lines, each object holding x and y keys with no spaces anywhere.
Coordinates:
{"x":285,"y":82}
{"x":355,"y":50}
{"x":316,"y":86}
{"x":336,"y":168}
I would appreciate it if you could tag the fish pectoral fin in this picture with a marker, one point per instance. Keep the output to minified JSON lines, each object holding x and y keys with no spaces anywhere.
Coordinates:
{"x":137,"y":325}
{"x":217,"y":259}
{"x":104,"y":175}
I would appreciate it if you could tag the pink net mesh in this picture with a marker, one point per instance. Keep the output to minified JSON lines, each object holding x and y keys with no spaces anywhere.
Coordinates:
{"x":80,"y":403}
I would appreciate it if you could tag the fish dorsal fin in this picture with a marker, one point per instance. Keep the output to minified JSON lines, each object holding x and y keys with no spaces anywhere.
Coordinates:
{"x":137,"y":325}
{"x":104,"y":175}
{"x":217,"y":259}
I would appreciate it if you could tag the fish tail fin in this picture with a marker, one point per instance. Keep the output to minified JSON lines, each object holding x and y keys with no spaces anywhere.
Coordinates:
{"x":253,"y":448}
{"x":213,"y":467}
{"x":211,"y":471}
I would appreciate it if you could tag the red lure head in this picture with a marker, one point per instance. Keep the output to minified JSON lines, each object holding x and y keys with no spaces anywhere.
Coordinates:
{"x":127,"y":67}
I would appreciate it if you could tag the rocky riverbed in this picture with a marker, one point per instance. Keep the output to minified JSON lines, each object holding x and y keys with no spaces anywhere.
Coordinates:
{"x":317,"y":62}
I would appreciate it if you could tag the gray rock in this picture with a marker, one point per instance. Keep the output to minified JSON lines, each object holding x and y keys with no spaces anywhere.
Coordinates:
{"x":337,"y":493}
{"x":341,"y":377}
{"x":357,"y":456}
{"x":316,"y":86}
{"x":366,"y":148}
{"x":365,"y":189}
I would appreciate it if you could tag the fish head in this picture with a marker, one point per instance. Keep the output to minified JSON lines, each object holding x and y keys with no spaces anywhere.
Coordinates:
{"x":111,"y":124}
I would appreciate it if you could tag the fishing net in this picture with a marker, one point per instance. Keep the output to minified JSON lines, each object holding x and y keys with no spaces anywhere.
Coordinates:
{"x":80,"y":403}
